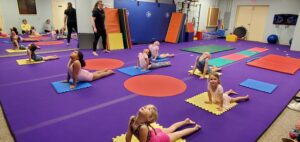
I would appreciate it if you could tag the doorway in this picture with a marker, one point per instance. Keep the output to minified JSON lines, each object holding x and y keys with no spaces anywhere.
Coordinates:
{"x":253,"y":18}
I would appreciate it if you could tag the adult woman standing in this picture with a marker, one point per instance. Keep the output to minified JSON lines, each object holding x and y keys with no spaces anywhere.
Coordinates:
{"x":70,"y":21}
{"x":98,"y":20}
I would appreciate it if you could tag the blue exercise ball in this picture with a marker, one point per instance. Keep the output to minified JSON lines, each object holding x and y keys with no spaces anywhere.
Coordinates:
{"x":273,"y":39}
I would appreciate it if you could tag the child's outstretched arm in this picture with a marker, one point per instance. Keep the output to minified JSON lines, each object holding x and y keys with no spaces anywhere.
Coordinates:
{"x":129,"y":132}
{"x":143,"y":133}
{"x":195,"y":65}
{"x":205,"y":69}
{"x":29,"y":55}
{"x":137,"y":62}
{"x":220,"y":108}
{"x":76,"y":67}
{"x":209,"y":97}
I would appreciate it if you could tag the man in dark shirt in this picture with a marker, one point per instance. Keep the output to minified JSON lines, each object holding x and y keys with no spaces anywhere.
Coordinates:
{"x":70,"y":21}
{"x":98,"y":20}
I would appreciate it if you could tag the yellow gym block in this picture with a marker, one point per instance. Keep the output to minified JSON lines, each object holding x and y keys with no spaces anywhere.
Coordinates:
{"x":200,"y":99}
{"x":198,"y":73}
{"x":26,"y":62}
{"x":231,"y":38}
{"x":122,"y":138}
{"x":115,"y":41}
{"x":14,"y":51}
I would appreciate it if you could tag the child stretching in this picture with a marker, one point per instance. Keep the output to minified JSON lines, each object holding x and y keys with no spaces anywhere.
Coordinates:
{"x":144,"y":62}
{"x":202,"y":65}
{"x":32,"y":56}
{"x":154,"y":48}
{"x":76,"y":72}
{"x":216,"y":94}
{"x":140,"y":127}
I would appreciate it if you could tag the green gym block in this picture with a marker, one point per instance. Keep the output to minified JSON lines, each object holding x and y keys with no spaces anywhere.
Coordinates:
{"x":219,"y":62}
{"x":207,"y":48}
{"x":248,"y":53}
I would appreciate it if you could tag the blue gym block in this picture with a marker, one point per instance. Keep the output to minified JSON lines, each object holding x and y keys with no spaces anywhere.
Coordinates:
{"x":133,"y":71}
{"x":259,"y":85}
{"x":62,"y":87}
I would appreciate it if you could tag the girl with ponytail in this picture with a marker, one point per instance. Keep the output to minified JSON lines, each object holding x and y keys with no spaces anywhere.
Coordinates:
{"x":76,"y":72}
{"x":140,"y":127}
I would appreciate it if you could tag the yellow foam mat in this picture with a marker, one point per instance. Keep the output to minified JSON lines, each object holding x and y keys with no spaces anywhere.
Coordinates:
{"x":199,"y":101}
{"x":14,"y":51}
{"x":122,"y":138}
{"x":198,"y":73}
{"x":26,"y":62}
{"x":115,"y":41}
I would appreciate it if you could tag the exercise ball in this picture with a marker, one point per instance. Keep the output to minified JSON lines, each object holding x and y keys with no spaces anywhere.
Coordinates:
{"x":272,"y":39}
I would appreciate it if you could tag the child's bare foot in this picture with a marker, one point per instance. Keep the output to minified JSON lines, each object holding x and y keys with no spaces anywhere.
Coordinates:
{"x":197,"y":127}
{"x":232,"y":91}
{"x":247,"y":97}
{"x":189,"y":121}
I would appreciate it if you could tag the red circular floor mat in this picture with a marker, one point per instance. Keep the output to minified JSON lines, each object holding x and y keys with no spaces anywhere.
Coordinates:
{"x":155,"y":85}
{"x":48,"y":43}
{"x":103,"y":63}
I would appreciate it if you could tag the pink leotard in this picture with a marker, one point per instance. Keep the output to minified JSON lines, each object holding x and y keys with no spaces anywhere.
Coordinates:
{"x":83,"y":75}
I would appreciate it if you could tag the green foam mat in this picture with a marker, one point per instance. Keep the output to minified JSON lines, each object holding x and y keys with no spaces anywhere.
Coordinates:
{"x":219,"y":62}
{"x":248,"y":52}
{"x":207,"y":48}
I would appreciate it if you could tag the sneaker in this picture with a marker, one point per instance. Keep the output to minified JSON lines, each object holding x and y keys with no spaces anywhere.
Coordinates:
{"x":294,"y":106}
{"x":95,"y":53}
{"x":106,"y":51}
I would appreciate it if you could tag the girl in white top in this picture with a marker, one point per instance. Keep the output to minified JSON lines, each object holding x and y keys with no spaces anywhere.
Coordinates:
{"x":216,"y":94}
{"x":144,"y":63}
{"x":76,"y":72}
{"x":154,"y":48}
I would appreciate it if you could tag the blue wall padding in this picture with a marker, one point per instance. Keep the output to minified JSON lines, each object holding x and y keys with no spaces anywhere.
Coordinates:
{"x":145,"y":29}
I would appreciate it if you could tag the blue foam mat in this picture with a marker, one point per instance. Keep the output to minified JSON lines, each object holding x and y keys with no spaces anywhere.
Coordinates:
{"x":62,"y":87}
{"x":259,"y":85}
{"x":160,"y":60}
{"x":133,"y":71}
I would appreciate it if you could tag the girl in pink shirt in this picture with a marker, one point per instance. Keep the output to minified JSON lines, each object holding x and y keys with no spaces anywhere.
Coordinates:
{"x":216,"y":94}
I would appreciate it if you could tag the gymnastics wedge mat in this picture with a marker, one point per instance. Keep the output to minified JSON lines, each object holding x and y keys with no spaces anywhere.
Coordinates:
{"x":133,"y":71}
{"x":199,"y":101}
{"x":115,"y":41}
{"x":112,"y":23}
{"x":61,"y":87}
{"x":174,"y":27}
{"x":26,"y":62}
{"x":277,"y":63}
{"x":15,"y":51}
{"x":122,"y":138}
{"x":219,"y":62}
{"x":207,"y":48}
{"x":259,"y":85}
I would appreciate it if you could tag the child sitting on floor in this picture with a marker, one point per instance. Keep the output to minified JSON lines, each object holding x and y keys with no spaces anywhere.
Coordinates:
{"x":75,"y":71}
{"x":201,"y":64}
{"x":154,"y":48}
{"x":140,"y":126}
{"x":33,"y":57}
{"x":216,"y":94}
{"x":144,"y":62}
